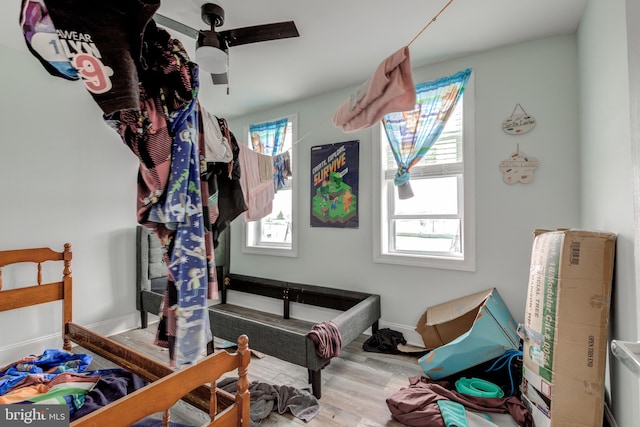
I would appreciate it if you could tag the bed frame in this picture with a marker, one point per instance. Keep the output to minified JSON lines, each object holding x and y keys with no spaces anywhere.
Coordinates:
{"x":278,"y":335}
{"x":283,"y":336}
{"x":195,"y":384}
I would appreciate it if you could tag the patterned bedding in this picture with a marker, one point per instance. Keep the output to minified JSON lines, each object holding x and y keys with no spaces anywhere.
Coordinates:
{"x":60,"y":377}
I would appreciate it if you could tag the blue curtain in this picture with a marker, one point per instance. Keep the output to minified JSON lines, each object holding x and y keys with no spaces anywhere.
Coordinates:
{"x":412,"y":133}
{"x":267,"y":138}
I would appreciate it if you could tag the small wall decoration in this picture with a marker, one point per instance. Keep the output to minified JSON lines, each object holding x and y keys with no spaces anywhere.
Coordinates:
{"x":518,"y":168}
{"x":334,"y":185}
{"x":520,"y":123}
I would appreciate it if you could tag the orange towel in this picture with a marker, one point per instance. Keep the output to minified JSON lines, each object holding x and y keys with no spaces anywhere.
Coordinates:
{"x":390,"y":89}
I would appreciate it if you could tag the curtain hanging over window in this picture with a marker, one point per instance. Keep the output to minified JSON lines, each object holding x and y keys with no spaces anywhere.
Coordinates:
{"x":267,"y":138}
{"x":412,"y":133}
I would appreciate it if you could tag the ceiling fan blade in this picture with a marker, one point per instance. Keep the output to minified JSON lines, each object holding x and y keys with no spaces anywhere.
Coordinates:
{"x":260,"y":33}
{"x":175,"y":25}
{"x":220,"y":79}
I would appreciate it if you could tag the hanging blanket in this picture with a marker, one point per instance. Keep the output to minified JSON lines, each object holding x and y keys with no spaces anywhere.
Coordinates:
{"x":390,"y":89}
{"x":258,"y":194}
{"x":281,"y":169}
{"x":147,"y":87}
{"x":164,"y":135}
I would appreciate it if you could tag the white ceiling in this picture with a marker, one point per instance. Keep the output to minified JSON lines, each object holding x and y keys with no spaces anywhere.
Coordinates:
{"x":342,"y":41}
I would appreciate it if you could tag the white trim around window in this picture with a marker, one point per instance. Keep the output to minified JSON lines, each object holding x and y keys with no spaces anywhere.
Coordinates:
{"x":250,"y":229}
{"x":466,"y":182}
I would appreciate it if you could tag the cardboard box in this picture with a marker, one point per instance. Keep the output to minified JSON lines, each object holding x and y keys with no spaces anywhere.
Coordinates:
{"x":466,"y":332}
{"x":565,"y":329}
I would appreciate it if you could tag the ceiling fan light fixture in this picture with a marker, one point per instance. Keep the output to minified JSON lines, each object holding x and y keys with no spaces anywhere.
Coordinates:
{"x":212,"y":47}
{"x":212,"y":59}
{"x":210,"y":55}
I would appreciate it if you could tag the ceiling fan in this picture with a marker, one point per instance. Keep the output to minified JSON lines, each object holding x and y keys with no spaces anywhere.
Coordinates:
{"x":212,"y":47}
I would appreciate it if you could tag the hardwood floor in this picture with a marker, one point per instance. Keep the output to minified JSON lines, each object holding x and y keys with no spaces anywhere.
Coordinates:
{"x":354,"y":385}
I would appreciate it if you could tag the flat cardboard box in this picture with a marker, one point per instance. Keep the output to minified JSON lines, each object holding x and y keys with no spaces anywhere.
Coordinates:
{"x":566,"y":325}
{"x":466,"y":332}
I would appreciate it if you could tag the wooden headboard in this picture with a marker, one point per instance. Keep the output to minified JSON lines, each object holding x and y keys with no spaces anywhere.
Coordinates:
{"x":47,"y":292}
{"x":195,"y":384}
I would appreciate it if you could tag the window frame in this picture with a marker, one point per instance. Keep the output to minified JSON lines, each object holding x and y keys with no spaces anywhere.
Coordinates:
{"x":253,"y":227}
{"x":383,"y":200}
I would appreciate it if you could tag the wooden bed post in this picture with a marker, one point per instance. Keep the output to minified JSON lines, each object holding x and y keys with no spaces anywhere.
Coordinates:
{"x":67,"y":295}
{"x":242,"y":392}
{"x":166,"y":418}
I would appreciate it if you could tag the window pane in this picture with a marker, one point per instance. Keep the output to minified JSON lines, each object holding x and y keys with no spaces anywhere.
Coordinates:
{"x":276,"y":227}
{"x":427,"y":235}
{"x":432,"y":196}
{"x":427,"y":229}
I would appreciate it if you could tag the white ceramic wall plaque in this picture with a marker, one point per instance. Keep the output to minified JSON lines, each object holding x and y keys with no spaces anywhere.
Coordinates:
{"x":518,"y":123}
{"x":518,"y":168}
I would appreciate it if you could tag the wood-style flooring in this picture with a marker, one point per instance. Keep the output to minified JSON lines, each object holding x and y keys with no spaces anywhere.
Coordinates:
{"x":354,"y":385}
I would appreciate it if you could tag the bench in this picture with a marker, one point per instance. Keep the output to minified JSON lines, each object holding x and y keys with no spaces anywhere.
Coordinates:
{"x":278,"y":335}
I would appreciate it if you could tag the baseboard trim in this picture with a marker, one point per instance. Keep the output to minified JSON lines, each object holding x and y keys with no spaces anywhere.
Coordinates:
{"x":409,"y":332}
{"x":13,"y":352}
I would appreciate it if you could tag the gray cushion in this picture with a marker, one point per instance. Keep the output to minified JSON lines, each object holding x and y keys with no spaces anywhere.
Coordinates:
{"x":159,"y":284}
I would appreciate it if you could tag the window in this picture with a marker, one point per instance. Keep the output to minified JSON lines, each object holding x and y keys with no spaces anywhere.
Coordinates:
{"x":434,"y":228}
{"x":274,"y":234}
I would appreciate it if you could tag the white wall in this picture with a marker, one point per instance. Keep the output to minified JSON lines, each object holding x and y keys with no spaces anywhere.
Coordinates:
{"x":607,"y":178}
{"x":66,"y":177}
{"x":541,"y":76}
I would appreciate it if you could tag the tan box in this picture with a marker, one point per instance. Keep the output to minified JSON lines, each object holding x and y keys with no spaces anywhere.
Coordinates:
{"x":565,"y":327}
{"x":442,"y":323}
{"x":466,"y":332}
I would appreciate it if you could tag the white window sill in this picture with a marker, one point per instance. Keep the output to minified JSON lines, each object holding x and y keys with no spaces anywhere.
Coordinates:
{"x":426,"y":262}
{"x":270,"y":251}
